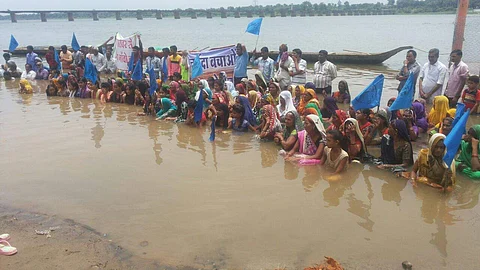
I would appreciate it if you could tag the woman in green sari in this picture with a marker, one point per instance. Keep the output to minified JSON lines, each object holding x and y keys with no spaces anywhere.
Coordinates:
{"x":467,"y":161}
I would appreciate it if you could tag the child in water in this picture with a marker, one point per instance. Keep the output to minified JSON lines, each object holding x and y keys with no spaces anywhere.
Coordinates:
{"x":334,"y":156}
{"x":239,"y":123}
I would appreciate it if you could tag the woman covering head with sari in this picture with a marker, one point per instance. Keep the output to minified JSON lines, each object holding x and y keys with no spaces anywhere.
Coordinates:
{"x":329,"y":107}
{"x":467,"y":161}
{"x":25,"y":87}
{"x":430,"y":169}
{"x":241,"y":89}
{"x":293,"y":125}
{"x":267,"y":99}
{"x":274,"y":91}
{"x":298,"y":102}
{"x":312,"y":106}
{"x":420,"y":116}
{"x":380,"y":127}
{"x":338,"y":117}
{"x":204,"y":87}
{"x":356,"y":144}
{"x":286,"y":104}
{"x":311,"y":141}
{"x":439,"y":111}
{"x":261,"y":83}
{"x":396,"y":147}
{"x":174,"y":86}
{"x":167,"y":108}
{"x":343,"y":94}
{"x":249,"y":116}
{"x":270,"y":123}
{"x":230,"y":87}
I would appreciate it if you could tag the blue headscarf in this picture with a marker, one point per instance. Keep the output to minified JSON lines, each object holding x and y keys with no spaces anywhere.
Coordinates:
{"x":249,"y":116}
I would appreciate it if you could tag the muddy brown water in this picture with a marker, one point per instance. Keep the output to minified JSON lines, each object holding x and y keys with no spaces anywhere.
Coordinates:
{"x":233,"y":203}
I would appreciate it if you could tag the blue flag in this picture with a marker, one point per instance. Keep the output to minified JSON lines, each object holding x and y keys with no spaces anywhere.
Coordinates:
{"x":90,"y":71}
{"x":370,"y":96}
{"x":458,"y":113}
{"x":75,"y":45}
{"x":153,"y":80}
{"x":198,"y":112}
{"x":212,"y":132}
{"x":130,"y":63}
{"x":254,"y":26}
{"x":57,"y":59}
{"x":405,"y":97}
{"x":137,"y":71}
{"x":452,"y":142}
{"x":197,"y":68}
{"x":13,"y":44}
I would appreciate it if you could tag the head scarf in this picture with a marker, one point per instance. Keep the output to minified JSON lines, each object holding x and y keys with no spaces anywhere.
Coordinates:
{"x":342,"y":116}
{"x":418,"y":109}
{"x":231,"y":88}
{"x":253,"y":98}
{"x":298,"y":120}
{"x":269,"y":99}
{"x":204,"y":84}
{"x":347,"y":90}
{"x":423,"y":155}
{"x":439,"y":110}
{"x":385,"y":114}
{"x":357,"y":130}
{"x":26,"y":85}
{"x":249,"y":116}
{"x":260,"y":79}
{"x":271,"y":113}
{"x":253,"y":85}
{"x":318,"y":124}
{"x":301,"y":102}
{"x":330,"y":104}
{"x":312,"y":106}
{"x":287,"y":96}
{"x":310,"y":85}
{"x":174,"y":86}
{"x":452,"y":112}
{"x":312,"y":93}
{"x":293,"y":86}
{"x":277,"y":85}
{"x":166,"y":106}
{"x":402,"y":130}
{"x":180,"y":97}
{"x":391,"y":101}
{"x":241,"y":88}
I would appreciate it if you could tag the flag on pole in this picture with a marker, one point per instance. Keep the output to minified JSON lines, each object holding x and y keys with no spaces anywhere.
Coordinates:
{"x":254,"y":26}
{"x":370,"y":96}
{"x":13,"y":44}
{"x":75,"y":45}
{"x":90,"y":71}
{"x":452,"y":142}
{"x":405,"y":97}
{"x":458,"y":113}
{"x":153,"y":80}
{"x":137,"y":71}
{"x":57,"y":59}
{"x":130,"y":63}
{"x":197,"y":68}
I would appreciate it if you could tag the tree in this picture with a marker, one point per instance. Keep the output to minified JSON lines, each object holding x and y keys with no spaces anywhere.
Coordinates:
{"x":391,"y":2}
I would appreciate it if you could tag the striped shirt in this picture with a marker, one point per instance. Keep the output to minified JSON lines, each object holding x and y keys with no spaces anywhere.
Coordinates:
{"x":324,"y":74}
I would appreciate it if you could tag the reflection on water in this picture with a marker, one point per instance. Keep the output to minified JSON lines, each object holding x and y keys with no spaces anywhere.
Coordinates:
{"x":234,"y":201}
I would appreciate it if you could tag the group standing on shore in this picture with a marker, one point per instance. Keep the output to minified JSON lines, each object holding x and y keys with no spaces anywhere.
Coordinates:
{"x":280,"y":105}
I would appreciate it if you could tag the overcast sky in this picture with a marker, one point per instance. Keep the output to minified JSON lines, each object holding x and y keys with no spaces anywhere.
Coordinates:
{"x":146,"y":4}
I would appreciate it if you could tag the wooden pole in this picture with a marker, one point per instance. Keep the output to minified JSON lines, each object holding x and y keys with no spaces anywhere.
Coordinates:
{"x":458,"y":34}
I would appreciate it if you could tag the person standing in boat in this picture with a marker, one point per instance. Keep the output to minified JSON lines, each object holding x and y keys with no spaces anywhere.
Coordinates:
{"x":31,"y":57}
{"x":458,"y":73}
{"x":283,"y":63}
{"x":410,"y":65}
{"x":153,"y":62}
{"x":324,"y":73}
{"x":298,"y":68}
{"x":241,"y":62}
{"x":98,"y":59}
{"x":265,"y":64}
{"x":432,"y":77}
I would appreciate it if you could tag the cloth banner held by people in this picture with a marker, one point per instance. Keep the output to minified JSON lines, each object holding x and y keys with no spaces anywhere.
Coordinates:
{"x":75,"y":45}
{"x":13,"y":44}
{"x":452,"y":142}
{"x":370,"y":97}
{"x":90,"y":71}
{"x":254,"y":26}
{"x":215,"y":61}
{"x":122,"y":50}
{"x":405,"y":97}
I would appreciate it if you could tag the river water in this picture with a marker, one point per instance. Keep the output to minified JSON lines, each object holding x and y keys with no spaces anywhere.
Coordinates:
{"x":233,"y":202}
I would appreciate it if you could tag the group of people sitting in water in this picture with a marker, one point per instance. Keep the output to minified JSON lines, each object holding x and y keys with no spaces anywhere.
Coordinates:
{"x":308,"y":127}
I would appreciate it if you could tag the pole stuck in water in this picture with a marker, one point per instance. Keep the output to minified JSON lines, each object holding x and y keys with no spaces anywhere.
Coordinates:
{"x":459,"y":32}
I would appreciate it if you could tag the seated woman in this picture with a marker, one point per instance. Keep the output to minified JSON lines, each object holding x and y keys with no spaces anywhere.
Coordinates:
{"x":25,"y":87}
{"x":230,"y":87}
{"x":286,"y":105}
{"x":239,"y":123}
{"x":363,"y":118}
{"x":240,"y":88}
{"x":430,"y":169}
{"x":329,"y":107}
{"x":248,"y":114}
{"x":167,"y":108}
{"x":298,"y":100}
{"x":73,"y":88}
{"x":439,"y":111}
{"x":312,"y":106}
{"x":334,"y":156}
{"x":51,"y":90}
{"x":396,"y":148}
{"x":293,"y":125}
{"x":337,"y":119}
{"x":270,"y":123}
{"x":356,"y":145}
{"x":260,"y":81}
{"x":310,"y":141}
{"x":445,"y":127}
{"x":223,"y":115}
{"x":274,"y":90}
{"x":467,"y":161}
{"x":190,"y":119}
{"x":420,"y":116}
{"x":409,"y":119}
{"x":343,"y":94}
{"x":219,"y":93}
{"x":380,"y":127}
{"x":128,"y":97}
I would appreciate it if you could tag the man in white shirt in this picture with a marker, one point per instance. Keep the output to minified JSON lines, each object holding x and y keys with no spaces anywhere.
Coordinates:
{"x":109,"y":67}
{"x":265,"y":64}
{"x":98,"y":59}
{"x":154,"y":61}
{"x":298,"y":68}
{"x":283,"y":63}
{"x":324,"y":73}
{"x":432,"y":77}
{"x":28,"y":74}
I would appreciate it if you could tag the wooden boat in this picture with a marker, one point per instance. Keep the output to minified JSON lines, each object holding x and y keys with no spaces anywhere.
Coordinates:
{"x":348,"y":57}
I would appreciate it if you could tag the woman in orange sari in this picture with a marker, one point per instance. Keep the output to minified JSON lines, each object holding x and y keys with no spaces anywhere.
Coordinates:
{"x":312,"y":106}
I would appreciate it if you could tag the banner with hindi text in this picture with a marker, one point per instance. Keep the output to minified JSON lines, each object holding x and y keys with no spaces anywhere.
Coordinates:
{"x":122,"y":50}
{"x":215,"y":61}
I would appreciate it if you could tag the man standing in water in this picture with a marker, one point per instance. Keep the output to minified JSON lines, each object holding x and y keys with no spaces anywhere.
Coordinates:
{"x":432,"y":77}
{"x":458,"y":72}
{"x":324,"y":73}
{"x":241,"y":61}
{"x":298,"y":68}
{"x":410,"y":65}
{"x":284,"y":61}
{"x":31,"y":57}
{"x":265,"y":64}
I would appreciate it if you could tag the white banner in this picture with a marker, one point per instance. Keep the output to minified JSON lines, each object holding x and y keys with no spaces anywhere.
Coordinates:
{"x":216,"y":60}
{"x":122,"y":50}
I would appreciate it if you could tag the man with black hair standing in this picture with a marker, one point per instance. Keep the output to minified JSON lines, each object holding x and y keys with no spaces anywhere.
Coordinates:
{"x":324,"y":73}
{"x":410,"y":66}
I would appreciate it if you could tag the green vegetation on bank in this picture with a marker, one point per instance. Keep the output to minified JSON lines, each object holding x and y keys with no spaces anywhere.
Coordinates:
{"x":305,"y":9}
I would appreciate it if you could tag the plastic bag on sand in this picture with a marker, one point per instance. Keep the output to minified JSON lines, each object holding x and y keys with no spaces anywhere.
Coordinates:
{"x":328,"y":264}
